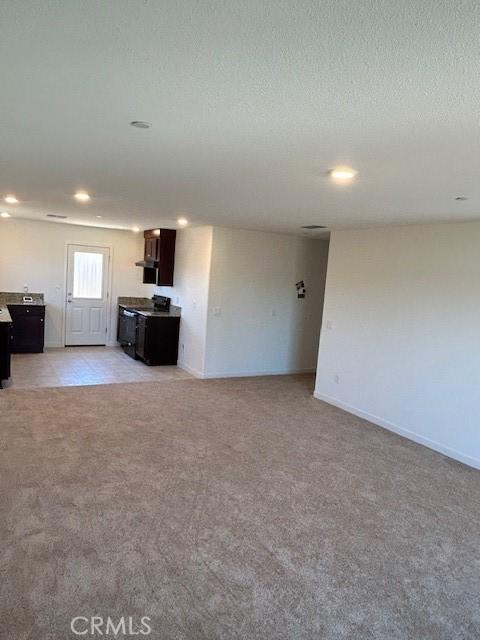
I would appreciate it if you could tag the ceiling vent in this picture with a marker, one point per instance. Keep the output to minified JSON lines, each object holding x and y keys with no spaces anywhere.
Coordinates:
{"x":313,"y":226}
{"x":140,"y":124}
{"x":54,"y":215}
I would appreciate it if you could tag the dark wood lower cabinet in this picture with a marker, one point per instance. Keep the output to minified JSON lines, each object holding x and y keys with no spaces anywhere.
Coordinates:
{"x":157,"y":339}
{"x":28,"y":330}
{"x":5,"y":334}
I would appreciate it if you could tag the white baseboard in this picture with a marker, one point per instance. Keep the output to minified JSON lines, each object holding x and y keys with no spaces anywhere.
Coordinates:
{"x":253,"y":374}
{"x":61,"y":345}
{"x":406,"y":433}
{"x":190,"y":370}
{"x":240,"y":374}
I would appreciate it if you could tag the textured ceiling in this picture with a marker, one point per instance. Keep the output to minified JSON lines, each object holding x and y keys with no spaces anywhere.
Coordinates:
{"x":251,"y":102}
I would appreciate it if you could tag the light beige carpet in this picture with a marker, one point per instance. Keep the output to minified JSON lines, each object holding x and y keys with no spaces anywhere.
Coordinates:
{"x":229,"y":509}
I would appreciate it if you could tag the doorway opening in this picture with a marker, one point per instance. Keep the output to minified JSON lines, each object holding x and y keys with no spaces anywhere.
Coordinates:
{"x":311,"y":272}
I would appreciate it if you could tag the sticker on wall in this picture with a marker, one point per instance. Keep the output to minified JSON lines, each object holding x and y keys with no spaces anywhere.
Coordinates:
{"x":301,"y":291}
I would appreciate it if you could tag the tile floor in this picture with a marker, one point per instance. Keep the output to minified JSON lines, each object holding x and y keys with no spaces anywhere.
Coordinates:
{"x":73,"y":366}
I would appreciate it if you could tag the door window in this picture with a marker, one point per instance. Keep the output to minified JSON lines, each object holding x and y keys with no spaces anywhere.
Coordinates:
{"x":88,"y":275}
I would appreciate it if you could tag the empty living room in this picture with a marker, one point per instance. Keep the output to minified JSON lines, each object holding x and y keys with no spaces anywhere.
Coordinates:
{"x":240,"y":320}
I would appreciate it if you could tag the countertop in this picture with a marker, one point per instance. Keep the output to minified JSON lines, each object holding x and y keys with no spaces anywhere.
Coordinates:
{"x":130,"y":302}
{"x":4,"y":314}
{"x":11,"y":297}
{"x":175,"y":312}
{"x":149,"y":312}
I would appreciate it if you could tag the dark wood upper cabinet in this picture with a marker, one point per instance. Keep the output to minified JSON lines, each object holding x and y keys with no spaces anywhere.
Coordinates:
{"x":160,"y":246}
{"x":166,"y":257}
{"x":149,"y":275}
{"x":152,"y":248}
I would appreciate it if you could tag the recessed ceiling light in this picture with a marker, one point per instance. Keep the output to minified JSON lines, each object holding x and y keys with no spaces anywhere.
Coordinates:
{"x":11,"y":199}
{"x":82,"y":196}
{"x":5,"y":214}
{"x":98,"y":216}
{"x":140,"y":124}
{"x":342,"y":174}
{"x":135,"y":229}
{"x":461,"y":198}
{"x":182,"y":222}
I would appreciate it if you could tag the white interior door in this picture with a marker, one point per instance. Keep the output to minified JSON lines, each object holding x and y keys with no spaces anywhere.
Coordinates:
{"x":86,"y":307}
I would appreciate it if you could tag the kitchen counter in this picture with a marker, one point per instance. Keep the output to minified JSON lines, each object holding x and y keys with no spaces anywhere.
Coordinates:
{"x":144,"y":307}
{"x":5,"y":314}
{"x":132,"y":303}
{"x":17,"y":298}
{"x":175,"y":312}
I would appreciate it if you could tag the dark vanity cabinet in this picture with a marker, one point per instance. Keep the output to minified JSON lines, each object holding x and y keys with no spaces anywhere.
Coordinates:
{"x":28,"y":329}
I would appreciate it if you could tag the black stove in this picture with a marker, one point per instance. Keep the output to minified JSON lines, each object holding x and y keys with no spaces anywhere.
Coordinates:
{"x":161,"y":303}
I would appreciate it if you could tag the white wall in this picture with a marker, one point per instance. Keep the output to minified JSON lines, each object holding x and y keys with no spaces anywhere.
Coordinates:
{"x":256,"y":324}
{"x":404,"y":304}
{"x":34,"y":253}
{"x":193,"y":252}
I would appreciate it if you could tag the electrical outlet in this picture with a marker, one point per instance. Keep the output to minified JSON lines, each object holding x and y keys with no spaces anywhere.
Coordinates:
{"x":336,"y":379}
{"x":217,"y":311}
{"x":329,"y":324}
{"x":273,"y":313}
